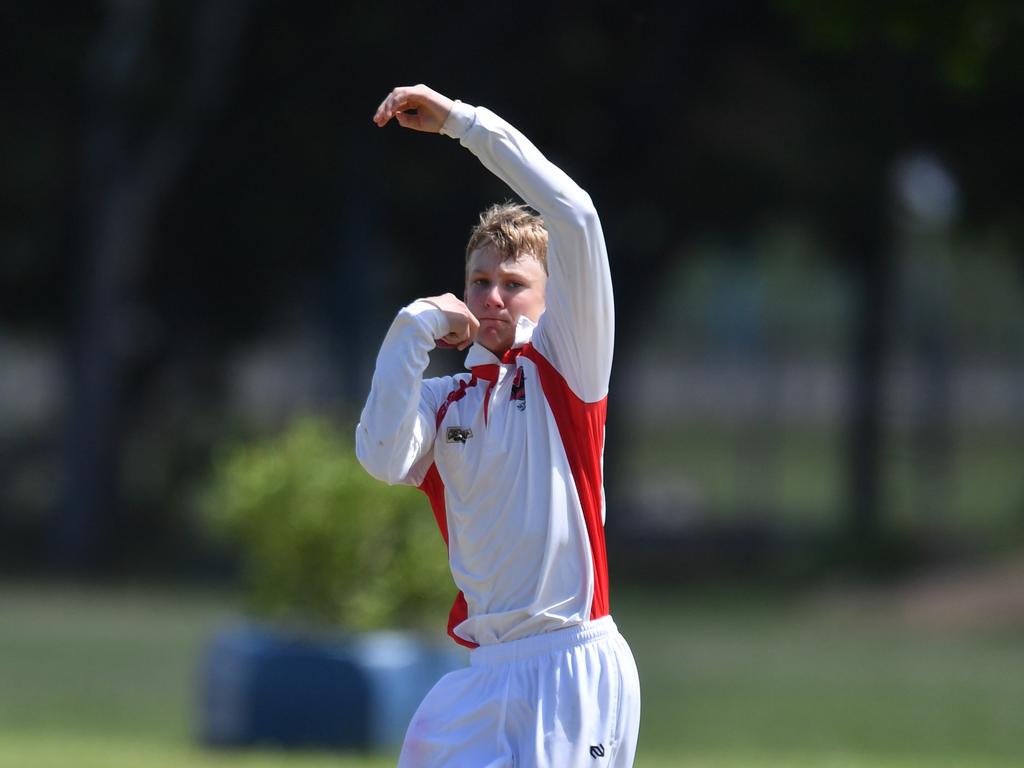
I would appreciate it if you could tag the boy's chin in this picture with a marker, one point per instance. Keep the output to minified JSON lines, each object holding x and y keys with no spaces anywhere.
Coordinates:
{"x":495,"y":342}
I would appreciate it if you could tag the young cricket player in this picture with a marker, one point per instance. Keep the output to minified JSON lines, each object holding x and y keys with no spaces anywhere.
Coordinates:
{"x":511,"y":456}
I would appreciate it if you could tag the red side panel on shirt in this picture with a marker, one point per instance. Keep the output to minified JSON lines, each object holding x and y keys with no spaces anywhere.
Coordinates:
{"x":581,"y":427}
{"x":433,"y":486}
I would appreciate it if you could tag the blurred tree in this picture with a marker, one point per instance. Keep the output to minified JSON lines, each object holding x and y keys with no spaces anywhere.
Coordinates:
{"x":971,"y":44}
{"x":229,"y":180}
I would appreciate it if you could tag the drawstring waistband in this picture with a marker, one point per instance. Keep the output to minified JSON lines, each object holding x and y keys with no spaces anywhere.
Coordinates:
{"x":538,"y":645}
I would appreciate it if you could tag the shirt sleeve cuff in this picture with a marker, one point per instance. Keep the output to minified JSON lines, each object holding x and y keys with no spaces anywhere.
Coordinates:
{"x":430,"y":317}
{"x":459,"y":120}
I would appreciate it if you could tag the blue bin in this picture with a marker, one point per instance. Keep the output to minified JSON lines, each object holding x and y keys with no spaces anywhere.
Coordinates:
{"x":260,"y":687}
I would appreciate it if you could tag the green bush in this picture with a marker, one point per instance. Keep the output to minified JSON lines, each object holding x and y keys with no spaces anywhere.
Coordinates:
{"x":324,"y":545}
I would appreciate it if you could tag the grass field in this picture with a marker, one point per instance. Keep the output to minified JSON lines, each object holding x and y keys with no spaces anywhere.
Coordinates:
{"x":106,"y":678}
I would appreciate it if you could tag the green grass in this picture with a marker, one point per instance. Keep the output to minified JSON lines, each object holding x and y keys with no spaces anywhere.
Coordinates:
{"x":774,"y":676}
{"x":103,"y":751}
{"x":107,"y":678}
{"x":98,"y":753}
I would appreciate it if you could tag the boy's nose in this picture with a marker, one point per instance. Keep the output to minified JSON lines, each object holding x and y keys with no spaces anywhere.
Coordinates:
{"x":493,"y":298}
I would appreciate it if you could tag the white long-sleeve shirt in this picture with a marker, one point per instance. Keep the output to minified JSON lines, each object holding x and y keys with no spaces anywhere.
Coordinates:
{"x":510,"y":454}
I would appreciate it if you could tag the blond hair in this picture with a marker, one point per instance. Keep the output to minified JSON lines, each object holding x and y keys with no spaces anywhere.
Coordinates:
{"x":514,"y":230}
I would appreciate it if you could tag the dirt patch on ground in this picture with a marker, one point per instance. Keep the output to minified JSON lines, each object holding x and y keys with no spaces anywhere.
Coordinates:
{"x":977,"y":596}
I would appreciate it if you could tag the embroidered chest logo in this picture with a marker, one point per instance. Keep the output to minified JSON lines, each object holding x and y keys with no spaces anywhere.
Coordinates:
{"x":458,"y":434}
{"x":518,"y":395}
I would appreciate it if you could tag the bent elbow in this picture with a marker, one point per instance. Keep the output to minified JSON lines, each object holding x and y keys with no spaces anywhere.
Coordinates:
{"x":585,"y":205}
{"x":375,"y":468}
{"x":582,"y":212}
{"x":374,"y":456}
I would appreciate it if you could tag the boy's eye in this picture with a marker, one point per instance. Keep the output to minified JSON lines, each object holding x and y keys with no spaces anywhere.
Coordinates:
{"x":514,"y":285}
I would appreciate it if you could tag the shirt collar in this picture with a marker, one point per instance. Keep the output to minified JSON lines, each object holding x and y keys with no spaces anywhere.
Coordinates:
{"x":480,"y":355}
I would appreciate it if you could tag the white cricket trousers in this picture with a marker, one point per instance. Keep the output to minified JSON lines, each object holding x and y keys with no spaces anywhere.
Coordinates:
{"x":559,"y":700}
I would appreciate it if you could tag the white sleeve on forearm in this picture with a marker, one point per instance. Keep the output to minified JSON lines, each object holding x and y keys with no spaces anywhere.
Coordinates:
{"x":396,"y":428}
{"x":577,"y":331}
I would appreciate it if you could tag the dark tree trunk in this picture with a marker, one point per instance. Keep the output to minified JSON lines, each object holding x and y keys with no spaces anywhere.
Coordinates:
{"x":871,"y":273}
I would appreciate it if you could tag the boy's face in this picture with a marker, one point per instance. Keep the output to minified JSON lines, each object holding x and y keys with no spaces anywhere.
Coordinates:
{"x":499,"y":293}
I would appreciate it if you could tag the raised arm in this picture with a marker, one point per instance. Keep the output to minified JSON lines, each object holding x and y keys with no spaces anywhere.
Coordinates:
{"x":576,"y":332}
{"x":395,"y":434}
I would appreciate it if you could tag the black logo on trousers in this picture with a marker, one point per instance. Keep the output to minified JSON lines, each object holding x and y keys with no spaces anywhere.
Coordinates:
{"x":597,"y":751}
